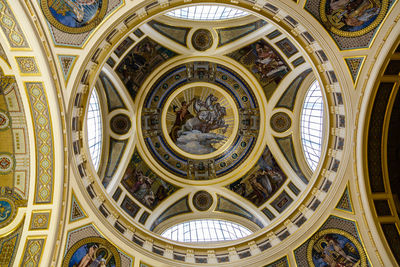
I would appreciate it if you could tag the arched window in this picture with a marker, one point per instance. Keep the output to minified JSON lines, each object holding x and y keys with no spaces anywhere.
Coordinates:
{"x":94,"y":129}
{"x":207,"y":230}
{"x":207,"y":12}
{"x":312,"y":125}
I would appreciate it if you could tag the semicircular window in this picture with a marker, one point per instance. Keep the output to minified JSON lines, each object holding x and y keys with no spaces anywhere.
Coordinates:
{"x":311,"y":125}
{"x":207,"y":12}
{"x":94,"y":129}
{"x":207,"y":230}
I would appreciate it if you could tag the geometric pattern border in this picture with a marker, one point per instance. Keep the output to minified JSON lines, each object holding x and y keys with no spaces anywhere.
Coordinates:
{"x":12,"y":30}
{"x":44,"y":142}
{"x":27,"y":65}
{"x":40,"y":220}
{"x":33,"y":251}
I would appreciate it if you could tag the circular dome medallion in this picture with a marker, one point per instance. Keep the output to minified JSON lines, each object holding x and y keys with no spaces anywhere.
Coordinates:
{"x":120,"y":124}
{"x":202,"y":200}
{"x":202,"y":39}
{"x":280,"y":122}
{"x":199,"y":121}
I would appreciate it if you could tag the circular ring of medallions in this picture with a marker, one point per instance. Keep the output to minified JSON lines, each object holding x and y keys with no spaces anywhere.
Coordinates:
{"x":202,"y":200}
{"x":120,"y":124}
{"x":199,"y":121}
{"x":280,"y":122}
{"x":202,"y":39}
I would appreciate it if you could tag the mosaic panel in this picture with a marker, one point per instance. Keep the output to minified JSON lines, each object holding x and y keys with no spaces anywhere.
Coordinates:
{"x":27,"y":65}
{"x":44,"y":141}
{"x":354,"y":64}
{"x":228,"y":35}
{"x":9,"y":245}
{"x":71,"y":22}
{"x":11,"y":28}
{"x":33,"y":252}
{"x":92,"y":251}
{"x":67,"y":63}
{"x":178,"y":34}
{"x":262,"y":181}
{"x":77,"y":213}
{"x":179,"y":207}
{"x":337,"y":242}
{"x":264,"y":62}
{"x":144,"y":185}
{"x":351,"y":23}
{"x":212,"y":127}
{"x":87,"y":240}
{"x":345,"y":201}
{"x":40,"y":220}
{"x":140,"y":62}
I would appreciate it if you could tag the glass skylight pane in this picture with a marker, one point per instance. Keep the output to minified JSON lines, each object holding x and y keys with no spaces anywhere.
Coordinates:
{"x":94,"y":129}
{"x":207,"y":12}
{"x":206,"y":230}
{"x":312,"y":125}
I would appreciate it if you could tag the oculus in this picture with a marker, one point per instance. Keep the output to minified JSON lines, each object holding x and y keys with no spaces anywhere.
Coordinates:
{"x":207,"y":12}
{"x":311,"y":125}
{"x":208,"y":230}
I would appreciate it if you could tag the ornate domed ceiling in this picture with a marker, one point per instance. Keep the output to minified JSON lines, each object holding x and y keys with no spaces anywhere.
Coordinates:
{"x":216,"y":109}
{"x":185,"y":133}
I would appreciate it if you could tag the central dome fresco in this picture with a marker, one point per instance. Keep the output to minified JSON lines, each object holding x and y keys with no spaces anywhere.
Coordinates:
{"x":200,"y":120}
{"x":206,"y":128}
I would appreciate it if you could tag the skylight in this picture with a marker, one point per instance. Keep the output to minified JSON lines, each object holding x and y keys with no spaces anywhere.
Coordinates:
{"x":207,"y":230}
{"x":94,"y":129}
{"x":312,"y":125}
{"x":207,"y":12}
